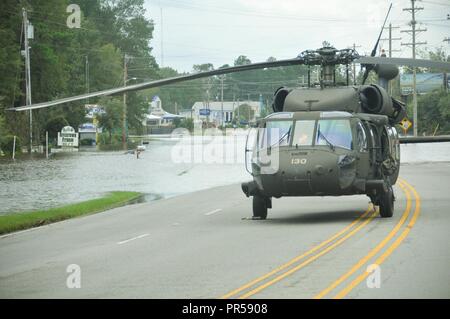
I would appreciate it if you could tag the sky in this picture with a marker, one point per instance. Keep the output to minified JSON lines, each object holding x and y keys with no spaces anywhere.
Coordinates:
{"x":192,"y":32}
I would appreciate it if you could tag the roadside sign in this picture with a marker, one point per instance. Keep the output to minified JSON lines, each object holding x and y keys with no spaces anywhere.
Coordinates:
{"x":68,"y":137}
{"x":405,"y":124}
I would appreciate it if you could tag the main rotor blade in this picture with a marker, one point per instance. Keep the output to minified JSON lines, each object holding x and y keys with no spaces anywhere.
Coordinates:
{"x":157,"y":83}
{"x":404,"y":61}
{"x":374,"y":50}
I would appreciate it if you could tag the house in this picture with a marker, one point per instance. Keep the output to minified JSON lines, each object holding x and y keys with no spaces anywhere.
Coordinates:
{"x":213,"y":111}
{"x":158,"y":121}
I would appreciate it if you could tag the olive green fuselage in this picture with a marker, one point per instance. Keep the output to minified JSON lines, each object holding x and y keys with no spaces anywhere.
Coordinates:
{"x":366,"y":156}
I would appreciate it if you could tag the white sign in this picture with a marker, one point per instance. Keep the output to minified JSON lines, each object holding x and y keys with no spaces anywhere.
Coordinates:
{"x":68,"y":137}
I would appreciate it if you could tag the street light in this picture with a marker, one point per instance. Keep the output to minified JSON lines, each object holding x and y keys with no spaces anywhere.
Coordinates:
{"x":124,"y":115}
{"x":130,"y":79}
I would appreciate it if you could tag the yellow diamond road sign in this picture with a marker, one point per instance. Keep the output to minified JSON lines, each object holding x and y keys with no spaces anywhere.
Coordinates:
{"x":406,"y":124}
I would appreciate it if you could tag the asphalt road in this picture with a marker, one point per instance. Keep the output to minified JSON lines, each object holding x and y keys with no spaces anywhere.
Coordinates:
{"x":201,"y":245}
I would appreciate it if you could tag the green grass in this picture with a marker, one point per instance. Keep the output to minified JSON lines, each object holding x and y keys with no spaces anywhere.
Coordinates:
{"x":24,"y":220}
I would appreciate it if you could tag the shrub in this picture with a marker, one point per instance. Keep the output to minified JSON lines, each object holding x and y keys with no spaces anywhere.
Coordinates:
{"x":87,"y":142}
{"x":7,"y":142}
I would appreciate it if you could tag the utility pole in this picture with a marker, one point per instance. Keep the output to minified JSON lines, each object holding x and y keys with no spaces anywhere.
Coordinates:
{"x":233,"y":119}
{"x":249,"y":108}
{"x":354,"y":65}
{"x":87,"y":76}
{"x":221,"y":82}
{"x":162,"y":38}
{"x":413,"y":32}
{"x":390,"y":39}
{"x":238,"y":111}
{"x":124,"y":111}
{"x":446,"y":39}
{"x":27,"y":36}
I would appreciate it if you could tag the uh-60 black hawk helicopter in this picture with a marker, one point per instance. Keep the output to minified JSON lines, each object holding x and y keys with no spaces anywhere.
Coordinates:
{"x":329,"y":140}
{"x":322,"y":140}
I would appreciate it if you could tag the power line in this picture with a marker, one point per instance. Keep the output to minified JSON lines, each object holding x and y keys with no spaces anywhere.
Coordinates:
{"x":413,"y":32}
{"x":260,"y":14}
{"x":436,"y":3}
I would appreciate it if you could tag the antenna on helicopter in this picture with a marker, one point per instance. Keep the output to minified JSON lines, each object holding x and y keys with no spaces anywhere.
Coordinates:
{"x":369,"y":67}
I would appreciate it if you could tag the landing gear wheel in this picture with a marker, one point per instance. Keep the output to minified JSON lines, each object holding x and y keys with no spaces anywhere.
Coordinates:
{"x":387,"y":203}
{"x":259,"y":207}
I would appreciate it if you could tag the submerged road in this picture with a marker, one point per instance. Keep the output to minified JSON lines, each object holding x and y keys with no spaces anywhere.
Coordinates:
{"x":201,"y":245}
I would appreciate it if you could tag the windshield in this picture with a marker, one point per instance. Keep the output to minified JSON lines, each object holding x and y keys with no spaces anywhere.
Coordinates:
{"x":335,"y":132}
{"x":276,"y":133}
{"x":303,"y":134}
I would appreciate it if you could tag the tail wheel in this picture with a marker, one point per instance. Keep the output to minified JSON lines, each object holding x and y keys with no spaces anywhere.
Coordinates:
{"x":259,"y":207}
{"x":387,"y":203}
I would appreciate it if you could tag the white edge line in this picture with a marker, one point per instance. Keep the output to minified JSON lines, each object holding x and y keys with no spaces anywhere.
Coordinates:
{"x":131,"y":239}
{"x":22,"y":231}
{"x":213,"y":212}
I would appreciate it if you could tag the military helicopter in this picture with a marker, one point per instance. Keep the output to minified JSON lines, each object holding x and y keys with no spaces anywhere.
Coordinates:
{"x":322,"y":140}
{"x":329,"y":140}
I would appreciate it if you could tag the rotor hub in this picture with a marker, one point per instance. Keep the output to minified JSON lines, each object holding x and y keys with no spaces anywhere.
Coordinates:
{"x":328,"y":56}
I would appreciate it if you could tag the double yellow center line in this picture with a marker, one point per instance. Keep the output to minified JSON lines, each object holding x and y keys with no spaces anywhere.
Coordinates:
{"x":326,"y":246}
{"x":298,"y":263}
{"x":408,"y":189}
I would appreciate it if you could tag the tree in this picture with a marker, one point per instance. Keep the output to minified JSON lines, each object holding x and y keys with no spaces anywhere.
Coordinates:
{"x":244,"y":112}
{"x":433,"y":112}
{"x":242,"y":60}
{"x":187,"y":124}
{"x":137,"y":106}
{"x":3,"y":129}
{"x":106,"y":70}
{"x":184,"y":95}
{"x":109,"y":29}
{"x":207,"y":83}
{"x":111,"y":120}
{"x":55,"y":125}
{"x":10,"y":59}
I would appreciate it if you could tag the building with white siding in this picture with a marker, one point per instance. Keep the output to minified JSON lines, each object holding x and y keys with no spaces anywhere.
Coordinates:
{"x":213,"y":111}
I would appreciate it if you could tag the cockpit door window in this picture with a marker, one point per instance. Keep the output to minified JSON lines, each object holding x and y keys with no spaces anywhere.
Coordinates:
{"x":335,"y":131}
{"x":276,"y":133}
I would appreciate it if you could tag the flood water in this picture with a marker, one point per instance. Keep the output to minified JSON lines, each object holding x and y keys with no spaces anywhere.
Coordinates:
{"x":30,"y":184}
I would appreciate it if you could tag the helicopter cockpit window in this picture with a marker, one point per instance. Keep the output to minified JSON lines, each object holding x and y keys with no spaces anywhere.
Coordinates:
{"x":336,"y":132}
{"x":361,"y":138}
{"x":303,"y":134}
{"x":276,"y":133}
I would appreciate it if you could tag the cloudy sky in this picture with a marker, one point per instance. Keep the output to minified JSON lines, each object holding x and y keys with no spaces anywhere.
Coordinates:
{"x":214,"y":31}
